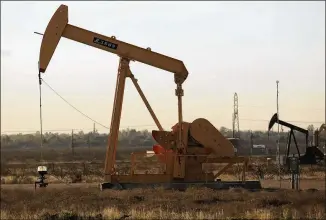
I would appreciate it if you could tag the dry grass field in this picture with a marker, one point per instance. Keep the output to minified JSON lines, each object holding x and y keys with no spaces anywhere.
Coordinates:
{"x":73,"y":192}
{"x":85,"y":201}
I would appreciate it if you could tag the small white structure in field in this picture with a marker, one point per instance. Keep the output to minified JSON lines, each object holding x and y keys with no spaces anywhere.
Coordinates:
{"x":259,"y":146}
{"x":42,"y":170}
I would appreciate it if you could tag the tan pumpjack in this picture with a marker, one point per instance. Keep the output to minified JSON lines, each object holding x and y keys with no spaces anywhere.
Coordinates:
{"x":184,"y":150}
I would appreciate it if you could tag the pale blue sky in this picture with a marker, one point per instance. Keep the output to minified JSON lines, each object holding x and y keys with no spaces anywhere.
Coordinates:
{"x":227,"y":47}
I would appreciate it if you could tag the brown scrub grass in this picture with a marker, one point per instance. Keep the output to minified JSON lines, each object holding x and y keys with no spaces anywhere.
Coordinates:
{"x":88,"y":202}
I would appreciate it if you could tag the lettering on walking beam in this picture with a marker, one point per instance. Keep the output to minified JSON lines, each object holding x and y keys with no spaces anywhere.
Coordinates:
{"x":105,"y":43}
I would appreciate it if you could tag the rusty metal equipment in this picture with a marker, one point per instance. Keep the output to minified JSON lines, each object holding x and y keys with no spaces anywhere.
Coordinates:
{"x":313,"y":154}
{"x":183,"y":150}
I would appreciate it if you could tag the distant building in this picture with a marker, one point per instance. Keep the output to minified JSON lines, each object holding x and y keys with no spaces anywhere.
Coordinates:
{"x":258,"y":146}
{"x":258,"y":149}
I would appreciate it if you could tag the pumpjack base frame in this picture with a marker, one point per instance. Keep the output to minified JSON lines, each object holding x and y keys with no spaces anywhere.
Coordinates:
{"x":218,"y":185}
{"x":131,"y":181}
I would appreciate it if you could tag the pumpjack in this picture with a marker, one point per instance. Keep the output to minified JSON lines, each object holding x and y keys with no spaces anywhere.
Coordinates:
{"x":313,"y":154}
{"x":183,"y":150}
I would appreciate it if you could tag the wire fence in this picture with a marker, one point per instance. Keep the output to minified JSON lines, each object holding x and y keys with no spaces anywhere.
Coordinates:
{"x":86,"y":171}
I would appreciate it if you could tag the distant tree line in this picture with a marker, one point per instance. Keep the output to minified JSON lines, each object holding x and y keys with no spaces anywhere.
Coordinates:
{"x":128,"y":138}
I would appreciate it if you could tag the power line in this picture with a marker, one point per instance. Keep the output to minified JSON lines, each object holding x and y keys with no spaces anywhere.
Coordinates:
{"x":306,"y":122}
{"x":145,"y":125}
{"x":148,"y":125}
{"x":75,"y":129}
{"x":303,"y":122}
{"x":266,"y":107}
{"x":141,"y":126}
{"x":74,"y":106}
{"x":87,"y":115}
{"x":49,"y":130}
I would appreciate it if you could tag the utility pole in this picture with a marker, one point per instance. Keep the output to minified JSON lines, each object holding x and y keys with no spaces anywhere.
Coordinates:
{"x":41,"y":118}
{"x":72,"y":142}
{"x":278,"y":135}
{"x":235,"y":118}
{"x":251,"y":142}
{"x":89,"y":143}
